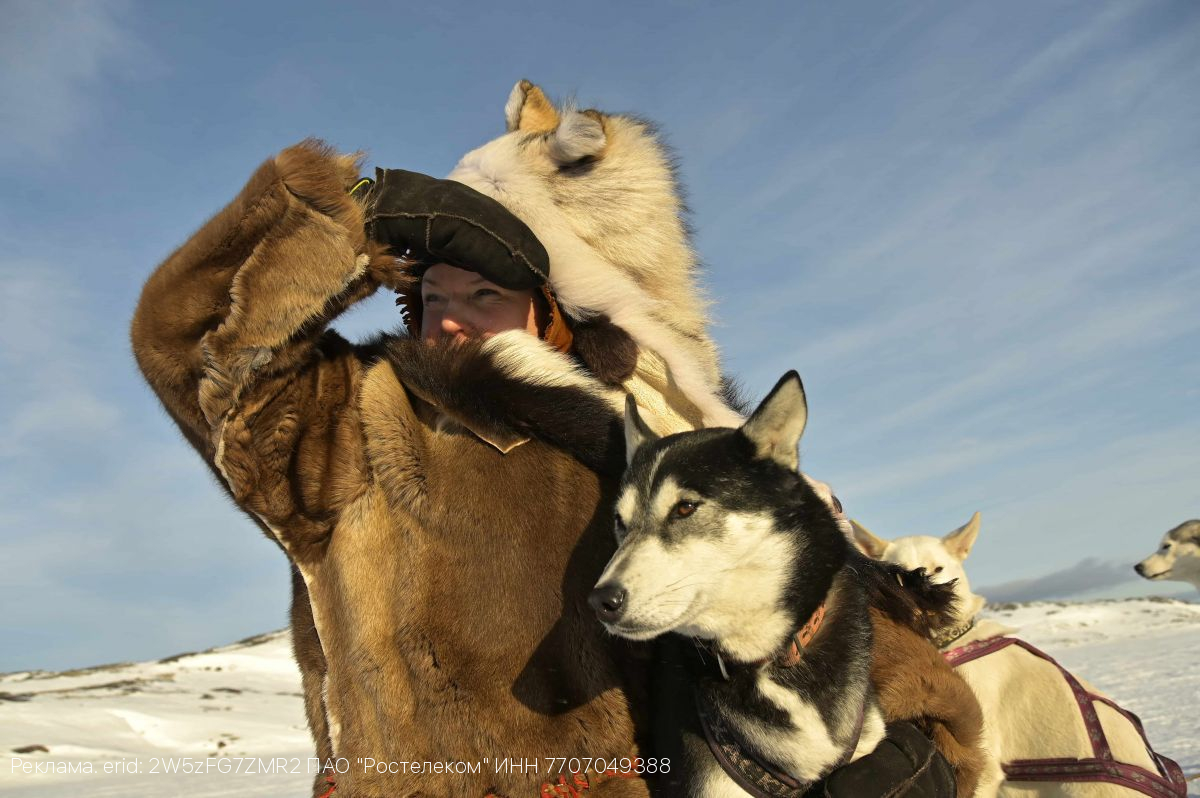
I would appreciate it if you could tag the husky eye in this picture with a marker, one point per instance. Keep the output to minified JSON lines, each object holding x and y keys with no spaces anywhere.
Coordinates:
{"x":684,"y":508}
{"x":837,"y":503}
{"x":938,"y":570}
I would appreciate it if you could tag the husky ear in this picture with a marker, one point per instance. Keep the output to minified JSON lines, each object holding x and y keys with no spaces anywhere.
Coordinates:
{"x":869,"y":543}
{"x":960,"y":541}
{"x":580,"y":135}
{"x":636,"y":432}
{"x":528,"y":110}
{"x":776,"y":426}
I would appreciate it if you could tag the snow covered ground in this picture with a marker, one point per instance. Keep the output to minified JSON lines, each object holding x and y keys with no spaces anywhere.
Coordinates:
{"x":187,"y":724}
{"x":164,"y":726}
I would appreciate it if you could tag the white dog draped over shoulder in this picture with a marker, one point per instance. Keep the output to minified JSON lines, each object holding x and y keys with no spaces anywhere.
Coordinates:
{"x":599,"y":192}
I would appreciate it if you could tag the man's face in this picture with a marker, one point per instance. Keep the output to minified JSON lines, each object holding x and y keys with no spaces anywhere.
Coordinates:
{"x":460,"y":304}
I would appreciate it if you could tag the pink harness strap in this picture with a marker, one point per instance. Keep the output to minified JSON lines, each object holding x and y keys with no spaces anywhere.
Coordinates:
{"x":1168,"y":782}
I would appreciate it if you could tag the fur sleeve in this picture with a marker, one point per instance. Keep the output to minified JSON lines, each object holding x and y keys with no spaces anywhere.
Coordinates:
{"x":250,"y":293}
{"x":230,"y":334}
{"x":916,"y":684}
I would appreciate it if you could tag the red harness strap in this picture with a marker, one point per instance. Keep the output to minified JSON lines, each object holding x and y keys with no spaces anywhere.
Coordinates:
{"x":1168,"y":782}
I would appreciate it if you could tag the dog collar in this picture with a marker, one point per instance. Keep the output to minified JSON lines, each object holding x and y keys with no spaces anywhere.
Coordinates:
{"x":804,"y":635}
{"x":946,"y":637}
{"x":791,"y":655}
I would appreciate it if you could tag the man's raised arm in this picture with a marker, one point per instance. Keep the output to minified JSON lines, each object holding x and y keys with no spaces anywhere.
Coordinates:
{"x":249,"y":294}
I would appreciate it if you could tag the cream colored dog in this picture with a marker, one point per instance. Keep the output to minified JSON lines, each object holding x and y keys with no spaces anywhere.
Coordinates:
{"x":1028,"y":706}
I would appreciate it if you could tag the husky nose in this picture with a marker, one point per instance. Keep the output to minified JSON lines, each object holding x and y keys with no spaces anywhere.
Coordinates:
{"x":1141,"y":569}
{"x":608,"y":601}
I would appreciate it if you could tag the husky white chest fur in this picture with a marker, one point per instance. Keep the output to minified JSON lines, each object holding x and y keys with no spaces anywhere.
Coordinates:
{"x":729,"y":552}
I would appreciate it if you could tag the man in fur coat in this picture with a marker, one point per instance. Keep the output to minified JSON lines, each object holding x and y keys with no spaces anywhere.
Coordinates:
{"x":445,"y":497}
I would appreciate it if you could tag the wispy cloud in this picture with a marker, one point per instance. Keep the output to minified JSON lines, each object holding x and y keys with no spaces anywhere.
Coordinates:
{"x":54,"y":57}
{"x":1019,"y":232}
{"x":889,"y":478}
{"x":57,"y":406}
{"x":107,"y":524}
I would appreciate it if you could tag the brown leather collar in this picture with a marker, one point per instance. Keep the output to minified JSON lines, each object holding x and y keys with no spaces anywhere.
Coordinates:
{"x":789,"y":657}
{"x":804,"y":635}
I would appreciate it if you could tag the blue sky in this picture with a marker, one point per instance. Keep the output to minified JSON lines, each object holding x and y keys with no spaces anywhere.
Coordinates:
{"x":971,"y":226}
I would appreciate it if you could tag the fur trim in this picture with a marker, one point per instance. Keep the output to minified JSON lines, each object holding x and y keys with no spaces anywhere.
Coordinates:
{"x":512,"y":387}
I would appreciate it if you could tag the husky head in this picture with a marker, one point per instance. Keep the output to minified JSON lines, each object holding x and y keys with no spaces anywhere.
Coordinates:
{"x":942,"y":558}
{"x":1178,"y":558}
{"x":719,"y":536}
{"x":599,"y":191}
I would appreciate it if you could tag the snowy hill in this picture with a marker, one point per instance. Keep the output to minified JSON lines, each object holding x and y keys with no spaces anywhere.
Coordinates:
{"x":201,"y":715}
{"x":238,"y":701}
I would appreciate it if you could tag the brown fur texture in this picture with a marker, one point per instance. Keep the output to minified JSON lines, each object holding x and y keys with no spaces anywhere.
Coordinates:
{"x":439,"y":614}
{"x":914,"y":683}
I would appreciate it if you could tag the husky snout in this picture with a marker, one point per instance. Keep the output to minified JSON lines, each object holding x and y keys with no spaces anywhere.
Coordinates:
{"x":1141,"y":570}
{"x":643,"y":593}
{"x":1177,"y":558}
{"x":608,"y":602}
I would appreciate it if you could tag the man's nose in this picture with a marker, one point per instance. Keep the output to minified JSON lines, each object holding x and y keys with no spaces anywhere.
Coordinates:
{"x":454,"y":324}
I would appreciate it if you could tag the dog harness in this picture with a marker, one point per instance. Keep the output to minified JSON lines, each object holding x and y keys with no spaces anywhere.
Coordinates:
{"x":760,"y":779}
{"x":1168,"y":782}
{"x":753,"y":775}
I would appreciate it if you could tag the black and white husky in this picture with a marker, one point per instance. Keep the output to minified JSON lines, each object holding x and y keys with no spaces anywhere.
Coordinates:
{"x":726,"y":546}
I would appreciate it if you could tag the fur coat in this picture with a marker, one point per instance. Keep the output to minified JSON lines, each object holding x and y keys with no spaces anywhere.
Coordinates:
{"x":446,"y":578}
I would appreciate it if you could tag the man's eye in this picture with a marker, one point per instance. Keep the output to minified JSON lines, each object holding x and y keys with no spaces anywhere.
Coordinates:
{"x":486,"y":293}
{"x":684,"y":508}
{"x":429,"y":299}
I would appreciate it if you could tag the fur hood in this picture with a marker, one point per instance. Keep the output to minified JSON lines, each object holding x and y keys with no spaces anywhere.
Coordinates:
{"x":599,"y":191}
